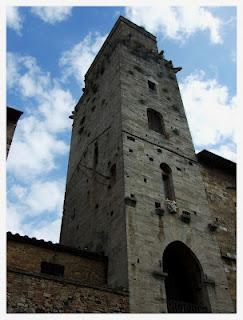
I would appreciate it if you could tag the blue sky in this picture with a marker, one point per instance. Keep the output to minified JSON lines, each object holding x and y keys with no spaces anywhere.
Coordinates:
{"x":49,"y":51}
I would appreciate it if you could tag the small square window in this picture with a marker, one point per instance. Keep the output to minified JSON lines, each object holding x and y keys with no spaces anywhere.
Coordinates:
{"x":151,"y":85}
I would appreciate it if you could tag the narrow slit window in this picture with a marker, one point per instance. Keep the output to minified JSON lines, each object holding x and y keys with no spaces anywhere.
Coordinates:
{"x":96,"y":154}
{"x":167,"y":181}
{"x":155,"y":121}
{"x":113,"y":174}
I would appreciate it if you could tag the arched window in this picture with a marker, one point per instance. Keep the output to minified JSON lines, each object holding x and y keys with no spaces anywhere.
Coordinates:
{"x":184,"y":284}
{"x":167,"y":181}
{"x":155,"y":121}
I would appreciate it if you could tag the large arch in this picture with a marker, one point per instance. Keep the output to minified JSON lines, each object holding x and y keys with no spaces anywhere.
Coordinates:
{"x":185,"y":287}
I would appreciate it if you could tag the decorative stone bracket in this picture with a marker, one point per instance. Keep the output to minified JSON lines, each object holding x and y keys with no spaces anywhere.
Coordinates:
{"x":186,"y":216}
{"x":228,"y":255}
{"x":130,"y":201}
{"x":171,"y":206}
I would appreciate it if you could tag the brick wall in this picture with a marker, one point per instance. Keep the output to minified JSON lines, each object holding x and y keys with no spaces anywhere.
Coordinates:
{"x":30,"y":293}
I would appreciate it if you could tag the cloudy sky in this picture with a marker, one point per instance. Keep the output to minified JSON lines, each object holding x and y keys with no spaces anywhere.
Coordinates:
{"x":49,"y":51}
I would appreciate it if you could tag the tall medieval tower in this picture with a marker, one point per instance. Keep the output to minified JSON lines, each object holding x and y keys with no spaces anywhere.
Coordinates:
{"x":134,"y":189}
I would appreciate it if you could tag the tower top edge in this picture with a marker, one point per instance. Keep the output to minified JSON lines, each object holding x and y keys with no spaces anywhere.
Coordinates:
{"x":130,"y":24}
{"x":134,"y":25}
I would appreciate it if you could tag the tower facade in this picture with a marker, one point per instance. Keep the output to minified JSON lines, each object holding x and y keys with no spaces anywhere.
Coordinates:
{"x":134,"y":188}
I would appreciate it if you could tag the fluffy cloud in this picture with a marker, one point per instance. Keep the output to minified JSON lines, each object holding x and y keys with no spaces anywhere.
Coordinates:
{"x":226,"y":151}
{"x":48,"y":231}
{"x":41,"y":196}
{"x":35,"y":149}
{"x":176,"y":23}
{"x":76,"y":61}
{"x":52,"y":15}
{"x":36,"y":142}
{"x":211,"y":114}
{"x":14,"y":19}
{"x":34,"y":200}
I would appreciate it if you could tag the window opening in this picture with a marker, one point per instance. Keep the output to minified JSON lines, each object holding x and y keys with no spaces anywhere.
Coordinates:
{"x":151,"y":85}
{"x":96,"y":153}
{"x":167,"y":181}
{"x":52,"y":269}
{"x":155,"y":121}
{"x":113,"y":174}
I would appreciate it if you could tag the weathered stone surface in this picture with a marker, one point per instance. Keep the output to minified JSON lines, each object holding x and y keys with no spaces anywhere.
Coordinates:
{"x":136,"y":78}
{"x":83,"y":288}
{"x":51,"y":296}
{"x":221,"y":193}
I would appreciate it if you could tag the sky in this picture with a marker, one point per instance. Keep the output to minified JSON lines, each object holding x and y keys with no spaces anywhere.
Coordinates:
{"x":49,"y":49}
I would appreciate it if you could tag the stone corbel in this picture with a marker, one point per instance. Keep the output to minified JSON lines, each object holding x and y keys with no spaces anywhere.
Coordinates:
{"x":209,"y":281}
{"x":160,"y":275}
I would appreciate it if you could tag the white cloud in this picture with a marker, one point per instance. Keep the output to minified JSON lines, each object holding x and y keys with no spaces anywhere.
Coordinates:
{"x":14,"y":223}
{"x":41,"y":197}
{"x":49,"y":231}
{"x":76,"y":61}
{"x":52,"y":15}
{"x":14,"y":19}
{"x":36,"y":144}
{"x":226,"y":151}
{"x":34,"y":149}
{"x":211,"y":113}
{"x":45,"y":196}
{"x":177,"y":23}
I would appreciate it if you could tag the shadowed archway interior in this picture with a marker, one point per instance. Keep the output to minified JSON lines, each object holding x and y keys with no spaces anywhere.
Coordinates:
{"x":185,"y":288}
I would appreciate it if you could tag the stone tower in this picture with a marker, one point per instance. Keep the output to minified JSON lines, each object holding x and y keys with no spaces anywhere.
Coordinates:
{"x":134,"y":189}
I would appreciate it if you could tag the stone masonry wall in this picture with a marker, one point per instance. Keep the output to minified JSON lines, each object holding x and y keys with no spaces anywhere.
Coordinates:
{"x":221,"y":192}
{"x":144,"y":150}
{"x":28,"y":257}
{"x":94,"y":211}
{"x":117,"y":216}
{"x":83,"y":287}
{"x":29,"y":293}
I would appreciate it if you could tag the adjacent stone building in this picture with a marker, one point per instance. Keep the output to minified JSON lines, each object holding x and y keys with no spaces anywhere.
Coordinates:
{"x":219,"y":177}
{"x":13,"y":116}
{"x":50,"y":278}
{"x":145,"y":219}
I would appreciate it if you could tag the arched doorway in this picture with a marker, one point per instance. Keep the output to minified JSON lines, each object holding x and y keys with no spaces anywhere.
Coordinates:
{"x":185,"y":288}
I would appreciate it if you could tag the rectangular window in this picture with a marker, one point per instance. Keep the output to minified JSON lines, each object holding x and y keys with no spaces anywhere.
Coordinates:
{"x":52,"y":269}
{"x":151,"y":85}
{"x":155,"y":121}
